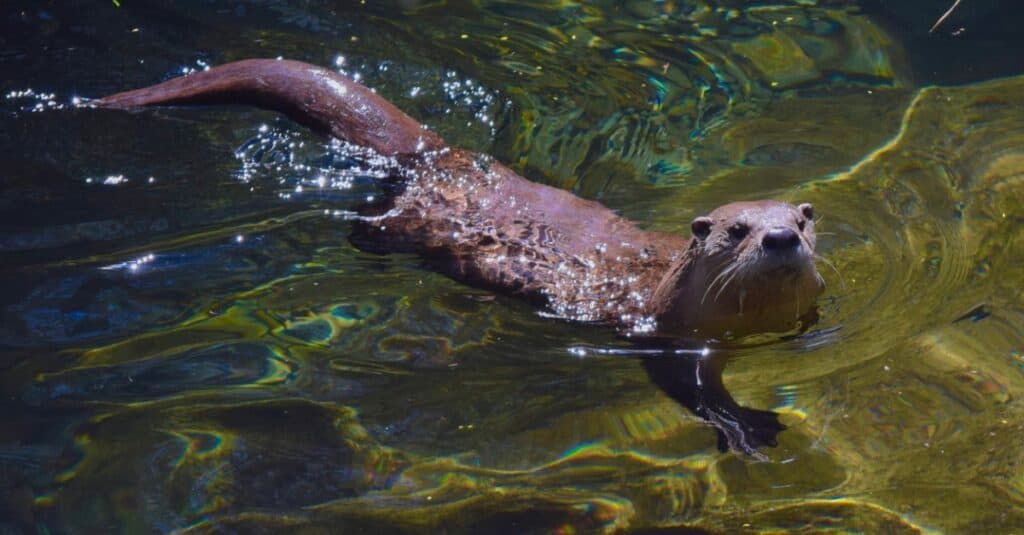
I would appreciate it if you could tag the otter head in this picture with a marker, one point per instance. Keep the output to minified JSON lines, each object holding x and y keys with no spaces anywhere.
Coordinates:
{"x":749,"y":268}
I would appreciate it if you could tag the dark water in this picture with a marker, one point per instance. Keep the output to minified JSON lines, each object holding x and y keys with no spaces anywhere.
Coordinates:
{"x":188,"y":341}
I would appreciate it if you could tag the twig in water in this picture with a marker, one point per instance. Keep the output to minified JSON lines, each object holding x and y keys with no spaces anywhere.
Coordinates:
{"x":944,"y":16}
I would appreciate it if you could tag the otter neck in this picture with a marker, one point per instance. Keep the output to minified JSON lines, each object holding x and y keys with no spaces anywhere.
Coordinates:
{"x":670,"y":295}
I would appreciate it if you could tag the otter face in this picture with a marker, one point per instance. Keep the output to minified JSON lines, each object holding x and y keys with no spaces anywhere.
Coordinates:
{"x":758,"y":240}
{"x":752,"y":271}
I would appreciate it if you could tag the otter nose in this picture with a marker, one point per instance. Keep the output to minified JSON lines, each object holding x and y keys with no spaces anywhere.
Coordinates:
{"x":780,"y":239}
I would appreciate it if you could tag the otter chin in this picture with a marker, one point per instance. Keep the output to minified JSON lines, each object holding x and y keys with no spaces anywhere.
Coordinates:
{"x":748,"y":268}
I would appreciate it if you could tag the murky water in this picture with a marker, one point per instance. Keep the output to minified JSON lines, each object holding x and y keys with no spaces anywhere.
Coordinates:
{"x":189,"y":341}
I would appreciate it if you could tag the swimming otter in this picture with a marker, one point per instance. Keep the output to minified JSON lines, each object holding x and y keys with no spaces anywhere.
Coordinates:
{"x":749,"y":266}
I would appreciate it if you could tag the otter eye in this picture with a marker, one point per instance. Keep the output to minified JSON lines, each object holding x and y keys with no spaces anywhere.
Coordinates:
{"x":739,"y":231}
{"x":701,"y":227}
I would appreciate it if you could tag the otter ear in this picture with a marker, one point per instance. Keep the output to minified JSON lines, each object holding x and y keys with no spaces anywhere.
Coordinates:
{"x":807,"y":209}
{"x":701,"y":227}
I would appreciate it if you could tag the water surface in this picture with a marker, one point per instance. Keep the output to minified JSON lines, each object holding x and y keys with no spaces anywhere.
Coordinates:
{"x":189,"y":342}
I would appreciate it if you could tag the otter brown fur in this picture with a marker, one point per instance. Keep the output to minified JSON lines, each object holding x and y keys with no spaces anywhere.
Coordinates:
{"x":749,"y":266}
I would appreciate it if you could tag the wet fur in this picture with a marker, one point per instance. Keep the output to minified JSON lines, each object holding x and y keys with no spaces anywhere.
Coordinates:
{"x":477,"y":221}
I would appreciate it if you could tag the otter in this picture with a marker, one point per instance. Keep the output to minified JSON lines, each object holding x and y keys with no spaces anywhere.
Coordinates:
{"x":749,"y":267}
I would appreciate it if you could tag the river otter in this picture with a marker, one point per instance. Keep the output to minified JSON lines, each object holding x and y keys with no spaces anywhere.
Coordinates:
{"x":749,"y":266}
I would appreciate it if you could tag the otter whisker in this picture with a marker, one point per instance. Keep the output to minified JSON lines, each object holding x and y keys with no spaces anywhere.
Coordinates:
{"x":723,"y":273}
{"x":796,"y":289}
{"x":834,"y":268}
{"x":736,"y":271}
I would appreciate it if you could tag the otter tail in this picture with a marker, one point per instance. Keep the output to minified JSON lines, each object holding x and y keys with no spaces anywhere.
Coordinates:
{"x":312,"y":96}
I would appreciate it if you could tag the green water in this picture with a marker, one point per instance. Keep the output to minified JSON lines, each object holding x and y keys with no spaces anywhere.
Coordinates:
{"x":188,"y":341}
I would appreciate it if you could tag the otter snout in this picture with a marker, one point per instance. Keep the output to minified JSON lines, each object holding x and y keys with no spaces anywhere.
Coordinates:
{"x":780,"y":239}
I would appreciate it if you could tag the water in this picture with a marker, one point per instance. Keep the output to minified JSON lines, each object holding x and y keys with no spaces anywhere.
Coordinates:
{"x":188,"y":340}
